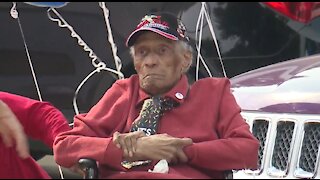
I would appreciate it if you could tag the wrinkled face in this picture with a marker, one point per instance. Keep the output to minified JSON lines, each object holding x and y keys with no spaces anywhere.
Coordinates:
{"x":159,"y":62}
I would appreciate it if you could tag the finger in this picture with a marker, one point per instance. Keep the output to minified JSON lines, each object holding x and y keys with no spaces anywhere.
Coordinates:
{"x":128,"y":145}
{"x":166,"y":135}
{"x":172,"y":159}
{"x":123,"y":147}
{"x":115,"y":136}
{"x":134,"y":144}
{"x":186,"y":141}
{"x":139,"y":134}
{"x":22,"y":146}
{"x":182,"y":157}
{"x":115,"y":139}
{"x":7,"y":140}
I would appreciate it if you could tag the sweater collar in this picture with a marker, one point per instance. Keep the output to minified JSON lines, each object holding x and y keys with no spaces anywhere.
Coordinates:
{"x":179,"y":92}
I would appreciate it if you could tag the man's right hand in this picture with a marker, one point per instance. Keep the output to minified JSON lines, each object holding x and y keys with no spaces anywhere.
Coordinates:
{"x":161,"y":146}
{"x":12,"y":132}
{"x":127,"y":141}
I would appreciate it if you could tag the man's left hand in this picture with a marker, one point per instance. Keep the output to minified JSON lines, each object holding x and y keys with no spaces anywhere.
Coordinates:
{"x":11,"y":131}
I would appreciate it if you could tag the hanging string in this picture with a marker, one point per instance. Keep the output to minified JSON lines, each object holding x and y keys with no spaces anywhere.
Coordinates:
{"x":199,"y":56}
{"x":96,"y":61}
{"x":205,"y":7}
{"x":117,"y":60}
{"x":75,"y":106}
{"x":198,"y":46}
{"x":199,"y":27}
{"x":14,"y":13}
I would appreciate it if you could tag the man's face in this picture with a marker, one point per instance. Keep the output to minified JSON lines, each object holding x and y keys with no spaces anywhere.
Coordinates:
{"x":159,"y":62}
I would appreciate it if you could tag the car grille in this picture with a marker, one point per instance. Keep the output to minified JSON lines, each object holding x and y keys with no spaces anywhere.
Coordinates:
{"x":260,"y":129}
{"x":310,"y":147}
{"x":282,"y":147}
{"x":289,"y":145}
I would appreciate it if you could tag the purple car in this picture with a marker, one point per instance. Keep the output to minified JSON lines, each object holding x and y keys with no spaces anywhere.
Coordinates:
{"x":281,"y":103}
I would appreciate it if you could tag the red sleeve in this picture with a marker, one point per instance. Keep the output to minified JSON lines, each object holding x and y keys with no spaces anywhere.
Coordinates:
{"x":40,"y":120}
{"x":91,"y":136}
{"x":236,"y":148}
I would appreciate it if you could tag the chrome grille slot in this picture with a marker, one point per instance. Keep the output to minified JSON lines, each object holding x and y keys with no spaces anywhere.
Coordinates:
{"x":282,"y":147}
{"x":309,"y":150}
{"x":260,"y":130}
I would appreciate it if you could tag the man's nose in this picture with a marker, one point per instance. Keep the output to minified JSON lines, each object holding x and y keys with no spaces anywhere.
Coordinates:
{"x":152,"y":59}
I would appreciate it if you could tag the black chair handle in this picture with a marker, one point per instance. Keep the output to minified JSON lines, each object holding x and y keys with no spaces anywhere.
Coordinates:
{"x":89,"y":168}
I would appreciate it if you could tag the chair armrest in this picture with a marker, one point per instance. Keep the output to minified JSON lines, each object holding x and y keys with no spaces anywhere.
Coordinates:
{"x":228,"y":174}
{"x":89,"y":168}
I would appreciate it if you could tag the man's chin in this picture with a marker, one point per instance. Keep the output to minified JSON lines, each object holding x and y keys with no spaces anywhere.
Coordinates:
{"x":150,"y":87}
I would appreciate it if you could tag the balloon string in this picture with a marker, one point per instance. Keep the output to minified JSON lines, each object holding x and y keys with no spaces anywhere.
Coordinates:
{"x":14,"y":14}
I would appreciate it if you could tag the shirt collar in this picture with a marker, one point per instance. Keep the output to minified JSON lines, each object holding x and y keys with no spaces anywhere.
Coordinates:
{"x":179,"y":92}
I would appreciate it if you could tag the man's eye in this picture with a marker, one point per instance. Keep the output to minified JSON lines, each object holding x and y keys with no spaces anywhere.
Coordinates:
{"x":142,"y":52}
{"x":163,"y":50}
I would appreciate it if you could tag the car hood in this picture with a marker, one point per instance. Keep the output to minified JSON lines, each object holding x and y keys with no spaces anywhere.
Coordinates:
{"x":288,"y":87}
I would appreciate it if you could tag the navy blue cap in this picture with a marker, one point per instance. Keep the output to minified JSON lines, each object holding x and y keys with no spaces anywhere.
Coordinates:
{"x":163,"y":23}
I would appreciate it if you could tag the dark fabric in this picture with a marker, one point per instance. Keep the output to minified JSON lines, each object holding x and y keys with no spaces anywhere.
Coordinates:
{"x":151,"y":112}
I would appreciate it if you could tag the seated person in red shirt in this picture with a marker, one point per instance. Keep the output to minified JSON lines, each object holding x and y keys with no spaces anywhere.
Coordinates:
{"x":20,"y":118}
{"x":183,"y":130}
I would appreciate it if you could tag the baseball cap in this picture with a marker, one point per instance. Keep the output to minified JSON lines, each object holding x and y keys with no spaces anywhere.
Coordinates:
{"x":163,"y":23}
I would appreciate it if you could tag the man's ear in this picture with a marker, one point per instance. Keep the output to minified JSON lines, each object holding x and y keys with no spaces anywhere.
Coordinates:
{"x":187,"y":60}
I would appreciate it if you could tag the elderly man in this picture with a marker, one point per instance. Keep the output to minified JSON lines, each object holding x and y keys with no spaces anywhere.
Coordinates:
{"x":22,"y":117}
{"x":183,"y":130}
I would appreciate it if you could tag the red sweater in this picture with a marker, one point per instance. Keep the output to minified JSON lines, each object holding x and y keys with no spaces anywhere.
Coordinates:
{"x":208,"y":114}
{"x":41,"y":121}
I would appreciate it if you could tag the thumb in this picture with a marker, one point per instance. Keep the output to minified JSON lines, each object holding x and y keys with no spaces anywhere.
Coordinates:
{"x":115,"y":139}
{"x":7,"y":140}
{"x":140,"y":134}
{"x":186,"y":141}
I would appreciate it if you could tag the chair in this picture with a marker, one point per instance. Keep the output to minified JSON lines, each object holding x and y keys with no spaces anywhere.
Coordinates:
{"x":90,"y":169}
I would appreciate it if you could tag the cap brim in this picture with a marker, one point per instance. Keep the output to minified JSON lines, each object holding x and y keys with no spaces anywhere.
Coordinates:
{"x":133,"y":36}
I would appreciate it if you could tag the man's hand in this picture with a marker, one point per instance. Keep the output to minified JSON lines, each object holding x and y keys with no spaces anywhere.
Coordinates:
{"x":11,"y":131}
{"x":127,"y":141}
{"x":161,"y":146}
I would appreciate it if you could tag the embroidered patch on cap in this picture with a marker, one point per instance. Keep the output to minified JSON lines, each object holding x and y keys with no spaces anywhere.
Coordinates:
{"x":164,"y":24}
